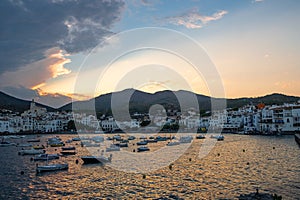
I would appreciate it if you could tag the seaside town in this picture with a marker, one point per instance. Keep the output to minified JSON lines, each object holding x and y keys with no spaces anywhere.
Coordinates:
{"x":250,"y":119}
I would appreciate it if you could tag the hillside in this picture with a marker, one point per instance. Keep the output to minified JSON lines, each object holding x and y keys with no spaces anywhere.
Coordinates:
{"x":17,"y":105}
{"x":142,"y":101}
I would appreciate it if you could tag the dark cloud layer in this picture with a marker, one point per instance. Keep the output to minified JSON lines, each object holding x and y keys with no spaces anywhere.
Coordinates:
{"x":29,"y":28}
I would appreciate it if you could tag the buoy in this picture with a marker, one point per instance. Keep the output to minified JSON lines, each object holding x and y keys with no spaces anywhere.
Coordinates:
{"x":170,"y":166}
{"x":55,"y":149}
{"x":31,"y":159}
{"x":273,"y":147}
{"x":22,"y":172}
{"x":133,"y":150}
{"x":243,"y":150}
{"x":144,"y":176}
{"x":218,"y":154}
{"x":76,"y":161}
{"x":248,"y":163}
{"x":190,"y":159}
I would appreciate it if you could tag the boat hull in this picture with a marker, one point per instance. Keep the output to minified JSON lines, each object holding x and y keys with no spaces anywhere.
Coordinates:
{"x":49,"y":168}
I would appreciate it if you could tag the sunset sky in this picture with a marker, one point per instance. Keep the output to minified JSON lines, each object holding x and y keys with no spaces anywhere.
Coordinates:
{"x":46,"y":47}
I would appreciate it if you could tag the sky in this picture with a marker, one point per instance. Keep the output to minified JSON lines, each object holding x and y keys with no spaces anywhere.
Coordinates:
{"x":56,"y":50}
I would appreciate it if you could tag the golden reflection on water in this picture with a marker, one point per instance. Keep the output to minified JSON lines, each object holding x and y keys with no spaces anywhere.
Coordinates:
{"x":235,"y":166}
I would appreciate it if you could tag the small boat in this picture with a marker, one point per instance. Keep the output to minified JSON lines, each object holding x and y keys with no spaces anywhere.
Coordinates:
{"x":185,"y":139}
{"x":34,"y":140}
{"x":98,"y":139}
{"x":52,"y":167}
{"x":76,"y":139}
{"x":113,"y":147}
{"x":96,"y":159}
{"x":69,"y":141}
{"x":142,"y":142}
{"x":89,"y":144}
{"x":297,"y":138}
{"x":45,"y":157}
{"x":143,"y":137}
{"x":143,"y":148}
{"x":38,"y":147}
{"x":117,"y":137}
{"x":122,"y":144}
{"x":24,"y":145}
{"x":173,"y":143}
{"x":131,"y":137}
{"x":6,"y":144}
{"x":31,"y":152}
{"x":200,"y":137}
{"x":152,"y":141}
{"x":159,"y":138}
{"x":68,"y":152}
{"x":60,"y":144}
{"x":68,"y":148}
{"x":218,"y":137}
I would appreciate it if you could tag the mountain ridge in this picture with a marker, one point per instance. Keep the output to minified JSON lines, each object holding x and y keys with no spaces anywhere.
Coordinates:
{"x":142,"y":101}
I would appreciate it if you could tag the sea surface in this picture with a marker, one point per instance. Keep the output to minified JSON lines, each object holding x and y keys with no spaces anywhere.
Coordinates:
{"x":238,"y":165}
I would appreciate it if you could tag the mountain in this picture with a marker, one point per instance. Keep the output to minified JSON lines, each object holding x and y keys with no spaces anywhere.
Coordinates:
{"x":17,"y":105}
{"x":141,"y":101}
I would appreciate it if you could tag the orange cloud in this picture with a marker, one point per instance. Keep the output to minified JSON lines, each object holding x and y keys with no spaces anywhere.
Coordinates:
{"x":36,"y":74}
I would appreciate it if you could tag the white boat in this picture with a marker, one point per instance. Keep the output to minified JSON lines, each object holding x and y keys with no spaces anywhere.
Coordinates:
{"x":89,"y":144}
{"x":144,"y":142}
{"x":24,"y":145}
{"x":218,"y":137}
{"x":31,"y":152}
{"x":185,"y":139}
{"x":173,"y":143}
{"x":113,"y":148}
{"x":45,"y":157}
{"x":51,"y":167}
{"x":76,"y":139}
{"x":98,"y":139}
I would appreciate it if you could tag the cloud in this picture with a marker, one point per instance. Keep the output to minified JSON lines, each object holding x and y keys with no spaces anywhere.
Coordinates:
{"x":37,"y":73}
{"x":193,"y":19}
{"x":30,"y":28}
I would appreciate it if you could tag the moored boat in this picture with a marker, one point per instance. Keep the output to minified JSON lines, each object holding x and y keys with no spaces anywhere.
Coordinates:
{"x":144,"y":142}
{"x":218,"y":137}
{"x":68,"y":148}
{"x":200,"y":136}
{"x":173,"y":143}
{"x":34,"y":140}
{"x":31,"y":152}
{"x":68,"y":152}
{"x":96,"y":159}
{"x":143,"y":148}
{"x":51,"y":167}
{"x":45,"y":157}
{"x":113,"y":147}
{"x":186,"y":139}
{"x":39,"y":147}
{"x":6,"y":144}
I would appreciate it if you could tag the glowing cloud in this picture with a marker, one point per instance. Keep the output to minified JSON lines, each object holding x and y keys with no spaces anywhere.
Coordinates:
{"x":193,"y":19}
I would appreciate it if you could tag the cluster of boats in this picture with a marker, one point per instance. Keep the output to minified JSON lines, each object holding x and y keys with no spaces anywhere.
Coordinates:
{"x":38,"y":150}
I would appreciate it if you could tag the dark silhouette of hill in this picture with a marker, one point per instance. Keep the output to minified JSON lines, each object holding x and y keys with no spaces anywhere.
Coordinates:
{"x":141,"y":101}
{"x":17,"y":105}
